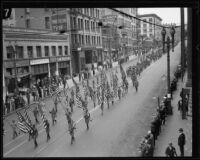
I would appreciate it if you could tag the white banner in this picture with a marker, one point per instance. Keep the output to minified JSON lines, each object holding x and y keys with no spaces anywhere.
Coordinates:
{"x":39,"y":61}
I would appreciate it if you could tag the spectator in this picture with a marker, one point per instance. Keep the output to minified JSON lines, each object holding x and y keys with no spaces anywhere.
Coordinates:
{"x":170,"y":151}
{"x":181,"y":142}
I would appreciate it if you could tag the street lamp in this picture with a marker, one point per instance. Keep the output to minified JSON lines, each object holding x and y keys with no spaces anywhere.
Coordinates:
{"x":172,"y":32}
{"x":163,"y":32}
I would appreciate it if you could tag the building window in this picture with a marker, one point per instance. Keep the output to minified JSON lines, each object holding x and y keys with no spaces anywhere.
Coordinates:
{"x":30,"y":51}
{"x":150,"y":30}
{"x":66,"y":50}
{"x":28,"y":23}
{"x":10,"y":52}
{"x":39,"y":51}
{"x":20,"y":52}
{"x":60,"y":50}
{"x":53,"y":48}
{"x":47,"y":22}
{"x":145,"y":30}
{"x":46,"y":51}
{"x":145,"y":25}
{"x":150,"y":19}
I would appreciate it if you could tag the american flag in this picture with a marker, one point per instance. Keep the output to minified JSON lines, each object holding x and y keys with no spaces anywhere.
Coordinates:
{"x":85,"y":90}
{"x":122,"y":73}
{"x":42,"y":115}
{"x":27,"y":118}
{"x":44,"y":120}
{"x":115,"y":85}
{"x":78,"y":95}
{"x":22,"y":124}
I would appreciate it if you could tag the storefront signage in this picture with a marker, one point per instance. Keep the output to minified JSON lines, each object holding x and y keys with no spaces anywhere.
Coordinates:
{"x":53,"y":59}
{"x":39,"y":61}
{"x":63,"y":58}
{"x":19,"y":63}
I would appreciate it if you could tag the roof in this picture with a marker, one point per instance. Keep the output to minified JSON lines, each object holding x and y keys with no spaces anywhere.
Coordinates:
{"x":150,"y":15}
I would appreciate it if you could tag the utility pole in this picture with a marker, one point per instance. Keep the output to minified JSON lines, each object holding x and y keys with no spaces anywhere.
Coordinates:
{"x":182,"y":42}
{"x":189,"y":47}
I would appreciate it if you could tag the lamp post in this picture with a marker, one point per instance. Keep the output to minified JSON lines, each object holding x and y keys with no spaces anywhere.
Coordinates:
{"x":172,"y":32}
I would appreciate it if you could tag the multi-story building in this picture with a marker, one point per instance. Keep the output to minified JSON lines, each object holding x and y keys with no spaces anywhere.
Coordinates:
{"x":123,"y":29}
{"x":34,"y":54}
{"x":30,"y":18}
{"x":86,"y":39}
{"x":148,"y":30}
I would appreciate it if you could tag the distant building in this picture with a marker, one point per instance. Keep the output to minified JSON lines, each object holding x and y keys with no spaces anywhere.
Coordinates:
{"x":149,"y":30}
{"x":119,"y":36}
{"x":39,"y":54}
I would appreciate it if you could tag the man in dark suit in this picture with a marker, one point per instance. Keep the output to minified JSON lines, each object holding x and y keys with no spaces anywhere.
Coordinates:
{"x":170,"y":151}
{"x":181,"y":141}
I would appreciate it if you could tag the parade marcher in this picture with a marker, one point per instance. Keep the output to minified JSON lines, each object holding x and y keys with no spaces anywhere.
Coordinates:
{"x":87,"y":118}
{"x":35,"y":113}
{"x":181,"y":142}
{"x":53,"y":115}
{"x":68,"y":116}
{"x":56,"y":104}
{"x":14,"y":128}
{"x":35,"y":135}
{"x":72,"y":127}
{"x":112,"y":97}
{"x":119,"y":92}
{"x":71,"y":103}
{"x":136,"y":85}
{"x":47,"y":130}
{"x":170,"y":151}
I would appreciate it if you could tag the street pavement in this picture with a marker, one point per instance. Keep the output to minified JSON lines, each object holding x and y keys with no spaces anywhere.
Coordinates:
{"x":170,"y":131}
{"x":116,"y":133}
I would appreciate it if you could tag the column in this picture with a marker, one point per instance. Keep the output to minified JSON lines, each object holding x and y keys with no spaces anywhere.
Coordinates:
{"x":57,"y":73}
{"x":49,"y":72}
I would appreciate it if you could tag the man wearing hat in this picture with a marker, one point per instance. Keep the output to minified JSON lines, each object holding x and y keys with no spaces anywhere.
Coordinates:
{"x":170,"y":151}
{"x":181,"y":141}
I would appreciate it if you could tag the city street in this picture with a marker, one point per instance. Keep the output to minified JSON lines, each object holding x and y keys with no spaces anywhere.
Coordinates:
{"x":116,"y":133}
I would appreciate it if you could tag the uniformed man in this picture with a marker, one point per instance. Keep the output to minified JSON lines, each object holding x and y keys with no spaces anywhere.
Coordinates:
{"x":87,"y":118}
{"x":72,"y":127}
{"x":53,"y":115}
{"x":47,"y":130}
{"x":35,"y":135}
{"x":14,"y":128}
{"x":35,"y":113}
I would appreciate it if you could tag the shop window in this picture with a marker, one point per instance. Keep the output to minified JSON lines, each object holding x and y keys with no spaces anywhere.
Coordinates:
{"x":46,"y":51}
{"x":20,"y":52}
{"x":53,"y":48}
{"x":39,"y":51}
{"x":66,"y":50}
{"x":30,"y":51}
{"x":60,"y":50}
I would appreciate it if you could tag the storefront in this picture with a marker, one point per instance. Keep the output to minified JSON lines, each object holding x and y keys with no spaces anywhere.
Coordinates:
{"x":39,"y":69}
{"x":22,"y":77}
{"x":64,"y":65}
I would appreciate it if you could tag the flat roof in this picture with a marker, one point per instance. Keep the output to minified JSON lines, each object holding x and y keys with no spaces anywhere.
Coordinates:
{"x":150,"y":15}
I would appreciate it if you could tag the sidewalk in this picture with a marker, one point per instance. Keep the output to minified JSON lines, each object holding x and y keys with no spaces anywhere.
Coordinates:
{"x":170,"y":133}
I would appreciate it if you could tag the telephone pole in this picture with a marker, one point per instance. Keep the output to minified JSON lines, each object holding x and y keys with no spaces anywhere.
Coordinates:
{"x":182,"y":43}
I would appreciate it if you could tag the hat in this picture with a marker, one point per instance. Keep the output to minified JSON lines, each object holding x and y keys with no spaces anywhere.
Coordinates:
{"x":181,"y":129}
{"x":170,"y":143}
{"x":149,"y":132}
